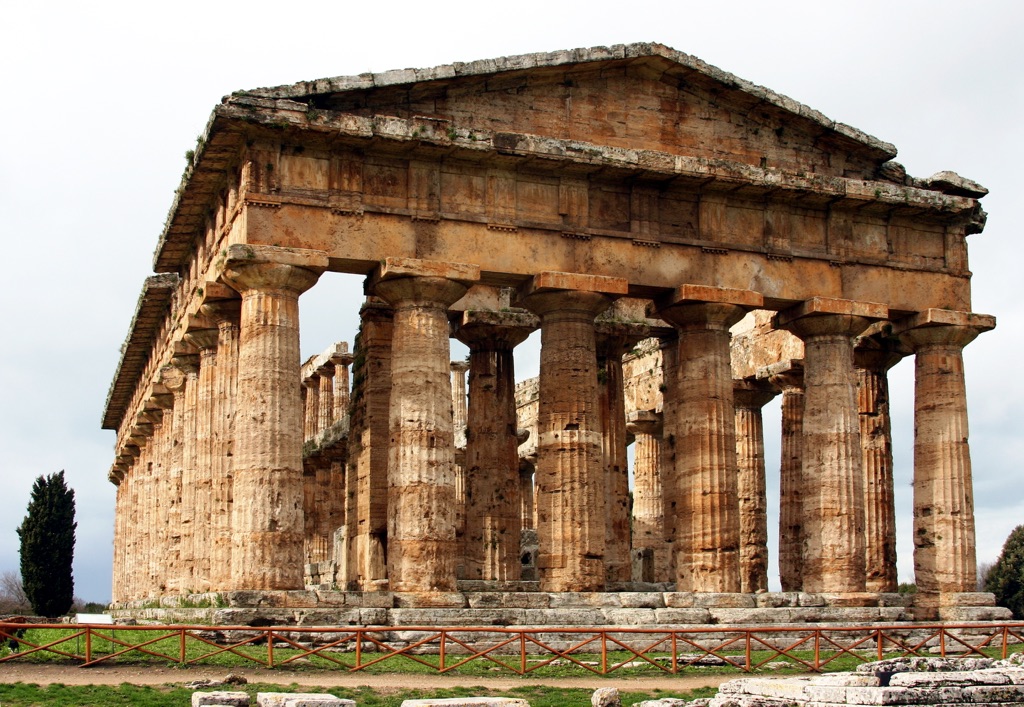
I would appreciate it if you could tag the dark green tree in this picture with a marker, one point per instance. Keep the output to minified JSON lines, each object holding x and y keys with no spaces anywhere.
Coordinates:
{"x":1006,"y":578}
{"x":48,"y":546}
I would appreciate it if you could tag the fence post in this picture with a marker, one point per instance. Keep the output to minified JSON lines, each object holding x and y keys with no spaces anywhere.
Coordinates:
{"x":522,"y":652}
{"x":444,"y":635}
{"x":181,"y":645}
{"x":817,"y":650}
{"x":88,"y":644}
{"x":270,"y":648}
{"x":604,"y":652}
{"x":881,"y":643}
{"x":746,"y":652}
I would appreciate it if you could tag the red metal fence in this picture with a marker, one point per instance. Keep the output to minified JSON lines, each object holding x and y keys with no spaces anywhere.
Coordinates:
{"x":518,"y":650}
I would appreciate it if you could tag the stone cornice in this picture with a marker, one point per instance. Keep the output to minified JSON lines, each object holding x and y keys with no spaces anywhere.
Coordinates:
{"x":153,"y":305}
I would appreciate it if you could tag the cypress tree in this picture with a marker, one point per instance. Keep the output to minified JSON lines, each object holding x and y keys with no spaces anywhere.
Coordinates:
{"x":48,"y":546}
{"x":1006,"y":578}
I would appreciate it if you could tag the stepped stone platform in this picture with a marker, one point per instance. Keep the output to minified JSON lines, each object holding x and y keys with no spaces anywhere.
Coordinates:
{"x":515,"y":605}
{"x":914,"y":681}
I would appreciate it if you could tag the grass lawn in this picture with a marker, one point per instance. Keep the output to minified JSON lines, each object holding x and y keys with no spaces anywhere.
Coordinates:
{"x":24,"y":695}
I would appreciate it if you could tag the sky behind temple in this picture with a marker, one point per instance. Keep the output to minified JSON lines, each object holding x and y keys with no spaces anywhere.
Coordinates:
{"x":101,"y":101}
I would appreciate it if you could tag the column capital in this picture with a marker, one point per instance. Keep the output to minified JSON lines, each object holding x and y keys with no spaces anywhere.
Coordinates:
{"x":459,"y":366}
{"x":752,"y":394}
{"x":221,"y":311}
{"x":260,"y":267}
{"x":410,"y":280}
{"x":942,"y":327}
{"x":784,"y":375}
{"x":700,"y":307}
{"x":561,"y":292}
{"x":203,"y":339}
{"x":878,"y":349}
{"x":487,"y":330}
{"x":645,"y":422}
{"x":825,"y":316}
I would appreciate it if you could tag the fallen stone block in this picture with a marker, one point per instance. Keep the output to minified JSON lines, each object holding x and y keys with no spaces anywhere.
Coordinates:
{"x":606,"y":697}
{"x":468,"y":702}
{"x":234,"y":699}
{"x":947,"y":679}
{"x":301,"y":699}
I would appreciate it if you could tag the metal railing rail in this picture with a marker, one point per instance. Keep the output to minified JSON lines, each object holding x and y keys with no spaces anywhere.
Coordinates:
{"x":518,"y":650}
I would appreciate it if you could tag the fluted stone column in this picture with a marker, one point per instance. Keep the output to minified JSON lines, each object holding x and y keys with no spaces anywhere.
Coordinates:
{"x":366,"y":473}
{"x":788,"y":377}
{"x":833,"y":503}
{"x":873,"y":357}
{"x":421,"y":474}
{"x":201,"y":536}
{"x":266,"y":516}
{"x":702,"y":427}
{"x":225,"y":313}
{"x":648,"y":497}
{"x":325,"y":414}
{"x":750,"y":396}
{"x":612,"y":341}
{"x":341,"y":363}
{"x":526,"y":495}
{"x":493,"y":483}
{"x":944,"y":541}
{"x":169,"y":514}
{"x":570,"y":473}
{"x":311,"y":407}
{"x":459,"y":432}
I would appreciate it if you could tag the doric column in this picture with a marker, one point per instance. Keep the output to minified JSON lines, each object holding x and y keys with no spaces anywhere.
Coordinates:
{"x":421,"y":474}
{"x":570,"y":474}
{"x":459,"y":432}
{"x":172,"y":518}
{"x":526,"y":495}
{"x":341,"y":363}
{"x":788,"y":377}
{"x":944,"y":542}
{"x":311,"y":406}
{"x":366,"y":473}
{"x":833,"y":503}
{"x":750,"y":396}
{"x":266,"y":515}
{"x":873,"y":356}
{"x":325,"y":414}
{"x":648,"y":497}
{"x":493,"y":484}
{"x":612,"y":340}
{"x":700,"y":424}
{"x":225,"y":313}
{"x":201,"y":536}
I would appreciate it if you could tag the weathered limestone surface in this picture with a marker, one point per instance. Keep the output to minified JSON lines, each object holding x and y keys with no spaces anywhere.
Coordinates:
{"x":649,"y":538}
{"x":700,"y":431}
{"x":750,"y":397}
{"x":366,"y":475}
{"x":266,"y":517}
{"x":570,"y":472}
{"x":833,"y":507}
{"x":493,"y":497}
{"x":944,"y":558}
{"x":717,"y":198}
{"x":421,"y":474}
{"x":873,"y":357}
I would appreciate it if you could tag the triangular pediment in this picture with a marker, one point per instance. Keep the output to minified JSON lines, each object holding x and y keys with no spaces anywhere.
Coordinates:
{"x":637,"y":96}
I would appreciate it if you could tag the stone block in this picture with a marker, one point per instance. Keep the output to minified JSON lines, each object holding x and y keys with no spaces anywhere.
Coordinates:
{"x":806,"y":599}
{"x":562,"y":617}
{"x":606,"y":697}
{"x":630,"y":617}
{"x":994,"y":693}
{"x":642,"y":600}
{"x":847,"y":680}
{"x":751,"y":616}
{"x":467,"y":702}
{"x":707,"y":600}
{"x":775,"y":600}
{"x":948,"y":678}
{"x":850,"y":599}
{"x":374,"y":617}
{"x":964,"y":614}
{"x":415,"y":600}
{"x":235,"y":699}
{"x":682,"y":616}
{"x":300,"y":699}
{"x":559,"y":600}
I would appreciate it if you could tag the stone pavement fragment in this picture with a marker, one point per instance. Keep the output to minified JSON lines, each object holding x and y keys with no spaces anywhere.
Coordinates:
{"x":207,"y":699}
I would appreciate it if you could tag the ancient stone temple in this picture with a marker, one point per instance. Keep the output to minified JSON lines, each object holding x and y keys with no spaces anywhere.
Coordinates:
{"x":689,"y":245}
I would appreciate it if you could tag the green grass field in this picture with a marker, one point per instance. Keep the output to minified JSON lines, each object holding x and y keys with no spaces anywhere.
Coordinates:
{"x":23,"y":695}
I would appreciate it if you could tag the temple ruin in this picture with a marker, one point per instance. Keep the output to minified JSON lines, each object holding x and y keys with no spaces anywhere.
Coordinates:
{"x":689,"y":245}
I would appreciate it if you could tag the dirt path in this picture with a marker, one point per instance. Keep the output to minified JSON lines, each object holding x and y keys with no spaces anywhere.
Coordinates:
{"x":43,"y":674}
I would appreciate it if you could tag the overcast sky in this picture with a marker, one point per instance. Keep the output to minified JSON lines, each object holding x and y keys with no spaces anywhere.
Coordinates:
{"x":102,"y":100}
